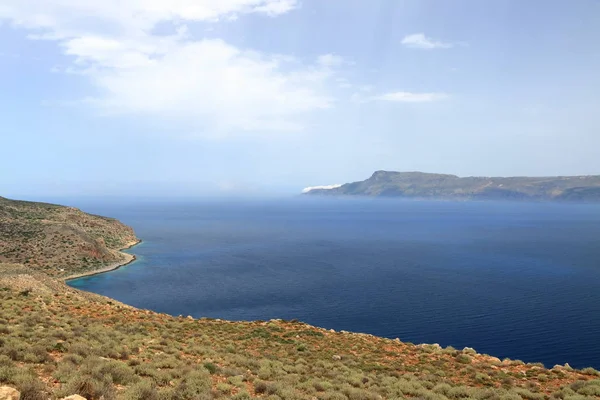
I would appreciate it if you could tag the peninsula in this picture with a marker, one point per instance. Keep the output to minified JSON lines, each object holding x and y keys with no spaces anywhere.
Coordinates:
{"x":423,"y":185}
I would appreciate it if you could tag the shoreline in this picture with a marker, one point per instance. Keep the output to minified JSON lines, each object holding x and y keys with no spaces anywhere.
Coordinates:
{"x":108,"y":268}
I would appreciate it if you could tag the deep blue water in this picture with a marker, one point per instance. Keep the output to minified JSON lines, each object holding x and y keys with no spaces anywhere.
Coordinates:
{"x":519,"y":280}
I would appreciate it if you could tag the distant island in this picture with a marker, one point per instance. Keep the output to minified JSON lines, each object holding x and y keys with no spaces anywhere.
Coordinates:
{"x":442,"y":186}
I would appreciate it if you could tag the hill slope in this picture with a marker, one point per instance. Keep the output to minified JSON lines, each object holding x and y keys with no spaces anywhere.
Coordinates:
{"x":57,"y":341}
{"x":425,"y":185}
{"x":60,"y":240}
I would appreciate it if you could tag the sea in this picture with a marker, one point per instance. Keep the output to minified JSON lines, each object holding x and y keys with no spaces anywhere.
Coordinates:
{"x":510,"y":279}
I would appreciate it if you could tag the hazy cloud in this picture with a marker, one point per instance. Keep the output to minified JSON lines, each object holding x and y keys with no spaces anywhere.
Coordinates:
{"x":420,"y":41}
{"x":325,"y":187}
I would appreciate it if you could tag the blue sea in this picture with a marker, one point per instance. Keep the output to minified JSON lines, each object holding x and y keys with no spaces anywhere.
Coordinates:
{"x":518,"y":280}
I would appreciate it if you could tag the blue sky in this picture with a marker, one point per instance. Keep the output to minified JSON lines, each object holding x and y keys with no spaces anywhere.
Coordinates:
{"x":206,"y":97}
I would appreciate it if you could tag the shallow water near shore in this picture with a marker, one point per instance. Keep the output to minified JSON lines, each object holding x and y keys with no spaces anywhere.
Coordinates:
{"x":518,"y":280}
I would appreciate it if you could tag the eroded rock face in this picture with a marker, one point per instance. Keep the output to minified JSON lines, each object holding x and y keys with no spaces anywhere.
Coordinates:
{"x":8,"y":393}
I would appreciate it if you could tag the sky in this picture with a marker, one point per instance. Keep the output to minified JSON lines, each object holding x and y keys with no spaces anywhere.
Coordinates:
{"x":243,"y":97}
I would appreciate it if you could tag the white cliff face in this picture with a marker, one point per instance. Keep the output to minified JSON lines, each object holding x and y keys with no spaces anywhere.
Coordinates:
{"x":325,"y":187}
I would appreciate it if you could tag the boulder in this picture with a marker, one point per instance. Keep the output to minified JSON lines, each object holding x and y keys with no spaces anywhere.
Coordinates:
{"x":8,"y":393}
{"x":74,"y":397}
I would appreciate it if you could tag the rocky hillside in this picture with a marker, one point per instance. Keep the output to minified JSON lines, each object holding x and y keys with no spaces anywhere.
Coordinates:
{"x":440,"y":186}
{"x":59,"y":240}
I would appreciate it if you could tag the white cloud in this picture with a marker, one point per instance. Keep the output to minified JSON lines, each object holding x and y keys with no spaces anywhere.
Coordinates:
{"x":330,"y":60}
{"x":65,"y":18}
{"x":408,"y":97}
{"x":219,"y":84}
{"x":205,"y":81}
{"x":420,"y":41}
{"x":324,"y":187}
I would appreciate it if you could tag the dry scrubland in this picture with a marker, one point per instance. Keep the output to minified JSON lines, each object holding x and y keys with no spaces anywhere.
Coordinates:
{"x":56,"y":341}
{"x":60,"y":241}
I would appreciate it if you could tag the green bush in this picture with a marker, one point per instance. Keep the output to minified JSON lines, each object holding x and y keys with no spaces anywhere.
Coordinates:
{"x":195,"y":385}
{"x":89,"y":387}
{"x":463,"y":359}
{"x":30,"y":386}
{"x":260,"y":387}
{"x":143,"y":390}
{"x":212,"y":368}
{"x":590,"y":371}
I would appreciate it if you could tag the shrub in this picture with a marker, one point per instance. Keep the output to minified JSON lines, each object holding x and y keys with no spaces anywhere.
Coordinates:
{"x":120,"y":373}
{"x":196,"y":385}
{"x":243,"y":395}
{"x":37,"y":354}
{"x":7,"y":373}
{"x":224,"y":388}
{"x":12,"y":351}
{"x":30,"y":386}
{"x":212,"y":368}
{"x":591,"y":388}
{"x":260,"y":387}
{"x":301,"y":347}
{"x":527,"y":394}
{"x":463,"y":359}
{"x":590,"y":371}
{"x":89,"y":387}
{"x":143,"y":390}
{"x":458,"y":392}
{"x":322,"y":386}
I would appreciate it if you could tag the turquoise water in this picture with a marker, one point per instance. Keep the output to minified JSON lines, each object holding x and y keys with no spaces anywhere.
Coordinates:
{"x":519,"y":280}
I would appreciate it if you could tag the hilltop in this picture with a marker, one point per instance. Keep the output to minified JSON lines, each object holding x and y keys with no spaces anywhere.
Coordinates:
{"x":443,"y":186}
{"x":56,"y":341}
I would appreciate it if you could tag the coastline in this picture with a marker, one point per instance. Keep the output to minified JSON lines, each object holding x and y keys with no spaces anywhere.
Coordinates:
{"x":129,"y":258}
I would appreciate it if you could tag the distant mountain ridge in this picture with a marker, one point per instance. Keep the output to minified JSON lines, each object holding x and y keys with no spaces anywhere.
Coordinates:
{"x":444,"y":186}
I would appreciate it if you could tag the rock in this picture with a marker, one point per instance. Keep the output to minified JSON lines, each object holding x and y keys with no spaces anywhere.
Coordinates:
{"x":336,"y":357}
{"x":332,"y":330}
{"x":74,"y":397}
{"x":190,"y":317}
{"x":8,"y":393}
